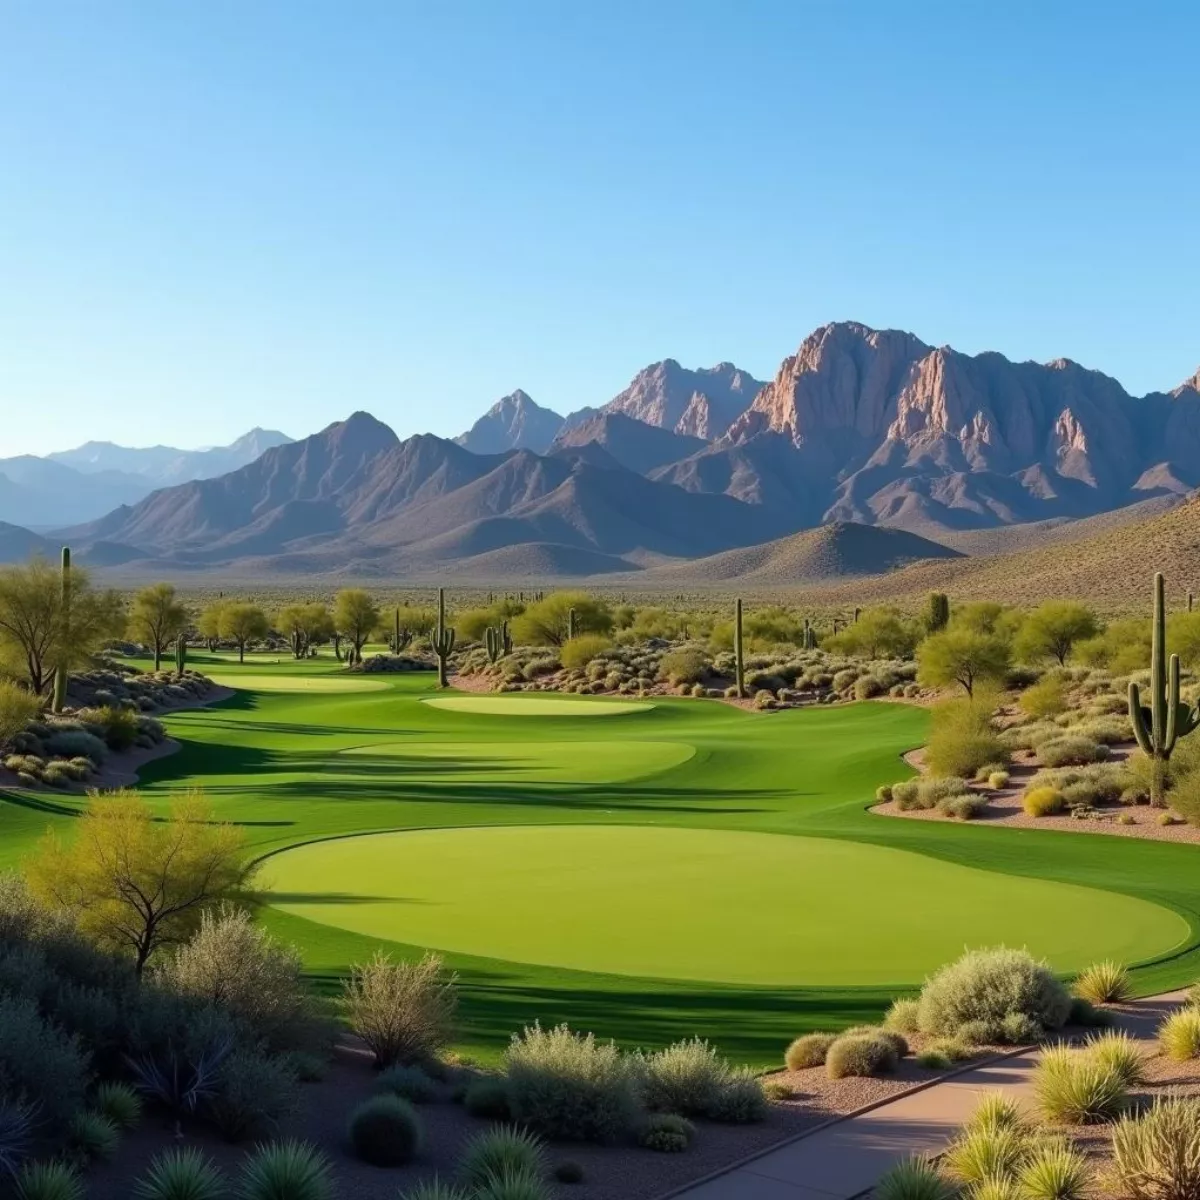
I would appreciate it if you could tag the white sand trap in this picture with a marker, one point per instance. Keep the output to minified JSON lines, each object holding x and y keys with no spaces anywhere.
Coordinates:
{"x":297,"y":683}
{"x":537,"y":706}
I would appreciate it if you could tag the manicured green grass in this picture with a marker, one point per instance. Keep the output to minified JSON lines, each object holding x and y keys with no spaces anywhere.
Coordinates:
{"x":538,"y":706}
{"x":296,"y":766}
{"x":699,"y":904}
{"x":299,"y":683}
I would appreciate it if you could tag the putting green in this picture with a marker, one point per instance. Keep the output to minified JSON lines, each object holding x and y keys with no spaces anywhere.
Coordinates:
{"x":505,"y":764}
{"x":705,"y":905}
{"x":537,"y":706}
{"x":298,"y":683}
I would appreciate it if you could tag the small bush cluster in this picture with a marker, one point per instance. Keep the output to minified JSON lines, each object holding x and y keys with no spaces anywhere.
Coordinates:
{"x":1079,"y":1087}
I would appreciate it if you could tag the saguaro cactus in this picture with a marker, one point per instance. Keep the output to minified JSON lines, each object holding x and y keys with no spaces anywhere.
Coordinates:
{"x":506,"y":638}
{"x":1166,"y":719}
{"x":938,"y":616}
{"x":442,"y":640}
{"x":810,"y":635}
{"x":493,"y":639}
{"x":739,"y":662}
{"x":572,"y":623}
{"x":180,"y":655}
{"x":60,"y":671}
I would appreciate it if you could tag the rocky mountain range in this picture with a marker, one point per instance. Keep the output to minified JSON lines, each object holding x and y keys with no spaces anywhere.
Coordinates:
{"x":860,"y":429}
{"x":81,"y":484}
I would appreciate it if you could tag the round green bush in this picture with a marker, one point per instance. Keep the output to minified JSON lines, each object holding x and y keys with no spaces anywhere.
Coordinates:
{"x":386,"y":1131}
{"x":666,"y":1133}
{"x":902,"y":1015}
{"x":864,"y":1055}
{"x":809,"y":1050}
{"x":409,"y":1083}
{"x":986,"y":986}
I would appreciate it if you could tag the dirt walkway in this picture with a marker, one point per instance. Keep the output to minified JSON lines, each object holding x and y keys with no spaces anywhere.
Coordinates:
{"x":846,"y":1157}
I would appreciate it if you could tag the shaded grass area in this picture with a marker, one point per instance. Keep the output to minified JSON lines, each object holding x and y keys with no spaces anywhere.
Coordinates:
{"x":276,"y":762}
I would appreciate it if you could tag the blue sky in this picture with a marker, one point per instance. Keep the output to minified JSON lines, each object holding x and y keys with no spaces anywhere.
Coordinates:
{"x":220,"y":215}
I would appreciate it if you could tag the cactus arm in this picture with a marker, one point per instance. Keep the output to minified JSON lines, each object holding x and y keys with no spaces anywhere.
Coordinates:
{"x":1137,"y":718}
{"x":1173,"y":705}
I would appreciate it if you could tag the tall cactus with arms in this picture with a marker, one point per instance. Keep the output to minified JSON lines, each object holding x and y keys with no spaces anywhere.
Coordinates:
{"x":442,"y":640}
{"x":180,"y":655}
{"x":60,"y":672}
{"x":493,"y":639}
{"x":1160,"y":725}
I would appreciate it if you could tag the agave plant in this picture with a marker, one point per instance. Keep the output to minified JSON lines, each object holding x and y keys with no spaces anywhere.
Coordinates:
{"x":181,"y":1083}
{"x":49,"y":1181}
{"x":16,"y":1135}
{"x":288,"y":1170}
{"x":181,"y":1175}
{"x":503,"y":1151}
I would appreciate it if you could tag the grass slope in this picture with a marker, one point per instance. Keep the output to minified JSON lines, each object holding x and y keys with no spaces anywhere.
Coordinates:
{"x":297,"y":766}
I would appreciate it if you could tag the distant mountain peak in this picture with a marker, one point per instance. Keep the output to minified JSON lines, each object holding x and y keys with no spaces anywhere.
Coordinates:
{"x":514,"y":422}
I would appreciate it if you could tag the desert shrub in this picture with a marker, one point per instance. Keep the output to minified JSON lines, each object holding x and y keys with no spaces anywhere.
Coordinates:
{"x":1108,"y":731}
{"x":1046,"y":698}
{"x":69,"y":743}
{"x":883,"y":793}
{"x":1053,"y":1172}
{"x":385,"y":1131}
{"x":409,"y":1083}
{"x":997,"y":780}
{"x":684,"y":664}
{"x":120,"y":1104}
{"x":1071,"y":750}
{"x":903,"y":1015}
{"x":915,"y":1178}
{"x":931,"y":791}
{"x":1179,"y":1035}
{"x":518,"y":1186}
{"x":983,"y":987}
{"x":1120,"y":1052}
{"x":235,"y":964}
{"x":503,"y":1151}
{"x":1156,"y":1153}
{"x":905,"y":794}
{"x":963,"y":738}
{"x":434,"y":1189}
{"x":741,"y":1100}
{"x":289,"y":1170}
{"x":688,"y":1078}
{"x":118,"y":727}
{"x":996,"y":1111}
{"x":809,"y":1050}
{"x":668,"y":1133}
{"x":867,"y":687}
{"x":40,"y":1063}
{"x":404,"y":1011}
{"x":487,"y":1097}
{"x":577,"y":652}
{"x":1043,"y":802}
{"x":569,"y":1086}
{"x":1104,"y":983}
{"x":865,"y":1054}
{"x":49,"y":1181}
{"x":776,"y":1089}
{"x":965,"y":807}
{"x":181,"y":1175}
{"x":1018,"y":1029}
{"x":1075,"y":1088}
{"x":93,"y":1136}
{"x":253,"y":1092}
{"x":985,"y":1152}
{"x":844,"y":678}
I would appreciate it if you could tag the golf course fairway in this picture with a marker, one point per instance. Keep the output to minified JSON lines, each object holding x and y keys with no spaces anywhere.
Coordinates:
{"x":684,"y":867}
{"x":745,"y":908}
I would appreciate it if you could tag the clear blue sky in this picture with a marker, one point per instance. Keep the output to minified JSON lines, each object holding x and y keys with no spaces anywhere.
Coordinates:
{"x":223,"y":214}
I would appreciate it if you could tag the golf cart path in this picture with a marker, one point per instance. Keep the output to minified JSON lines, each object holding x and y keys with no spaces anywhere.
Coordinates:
{"x":846,"y":1157}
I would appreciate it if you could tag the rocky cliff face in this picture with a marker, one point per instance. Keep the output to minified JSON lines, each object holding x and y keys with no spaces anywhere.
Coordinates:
{"x":904,"y":433}
{"x":512,"y":423}
{"x":700,"y":403}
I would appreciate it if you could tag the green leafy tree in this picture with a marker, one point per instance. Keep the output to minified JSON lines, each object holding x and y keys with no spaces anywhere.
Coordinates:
{"x":208,"y":624}
{"x":1053,"y":629}
{"x":878,"y":633}
{"x":356,"y":617}
{"x":134,"y":882}
{"x":156,"y":619}
{"x":36,"y":636}
{"x":241,"y":624}
{"x":546,"y":622}
{"x":962,"y":656}
{"x":305,"y":626}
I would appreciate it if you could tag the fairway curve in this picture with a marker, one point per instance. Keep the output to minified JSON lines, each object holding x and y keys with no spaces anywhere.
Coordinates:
{"x":537,"y":706}
{"x":505,"y":764}
{"x":708,"y":905}
{"x":325,"y":684}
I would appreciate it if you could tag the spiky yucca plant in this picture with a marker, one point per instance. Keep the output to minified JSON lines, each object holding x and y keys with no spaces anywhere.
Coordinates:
{"x":181,"y":1175}
{"x":1104,"y":983}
